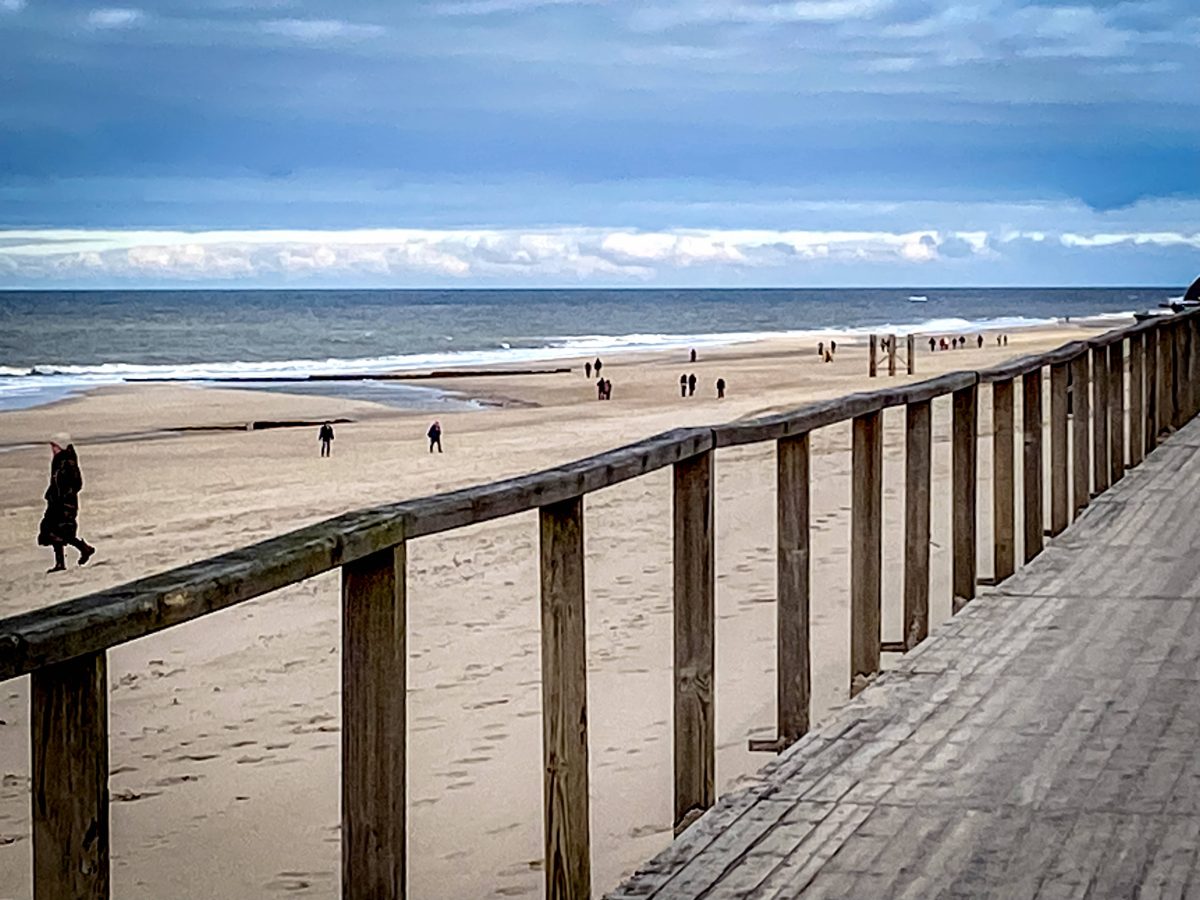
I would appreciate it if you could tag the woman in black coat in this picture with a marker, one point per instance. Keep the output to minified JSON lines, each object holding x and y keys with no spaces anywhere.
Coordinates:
{"x":60,"y":523}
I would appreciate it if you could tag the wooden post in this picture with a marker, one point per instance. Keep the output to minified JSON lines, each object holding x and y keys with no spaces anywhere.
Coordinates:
{"x":1137,"y":409}
{"x":1163,"y":331}
{"x":1005,"y":553}
{"x":1189,"y":380}
{"x":1060,"y":489}
{"x":891,"y":355}
{"x":963,"y":491}
{"x":1031,"y":427}
{"x":793,"y":668}
{"x":1152,"y":382}
{"x":69,"y":737}
{"x":873,"y":364}
{"x":1176,"y":366}
{"x":1081,"y":419}
{"x":910,"y":354}
{"x":564,"y":703}
{"x":374,"y":726}
{"x":866,"y":549}
{"x":1100,"y":469}
{"x":918,"y":440}
{"x":695,"y":619}
{"x":1116,"y":410}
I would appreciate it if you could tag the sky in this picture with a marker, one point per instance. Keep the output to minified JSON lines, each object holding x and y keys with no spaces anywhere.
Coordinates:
{"x":306,"y":143}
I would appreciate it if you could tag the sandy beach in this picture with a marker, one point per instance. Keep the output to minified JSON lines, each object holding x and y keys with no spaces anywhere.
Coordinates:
{"x":225,"y":744}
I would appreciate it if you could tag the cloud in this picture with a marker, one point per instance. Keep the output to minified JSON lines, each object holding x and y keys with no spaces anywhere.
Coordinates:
{"x":114,"y":17}
{"x":322,"y":30}
{"x":12,"y":6}
{"x":491,"y":7}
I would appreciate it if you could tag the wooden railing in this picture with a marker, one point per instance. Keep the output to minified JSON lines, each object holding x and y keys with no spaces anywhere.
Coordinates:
{"x":64,"y":647}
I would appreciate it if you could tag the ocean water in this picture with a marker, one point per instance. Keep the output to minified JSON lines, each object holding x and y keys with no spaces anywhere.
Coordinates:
{"x":54,"y":344}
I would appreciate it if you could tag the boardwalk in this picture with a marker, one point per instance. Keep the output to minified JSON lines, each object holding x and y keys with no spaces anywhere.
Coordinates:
{"x":1044,"y":743}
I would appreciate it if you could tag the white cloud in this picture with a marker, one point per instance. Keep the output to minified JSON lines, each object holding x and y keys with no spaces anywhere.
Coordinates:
{"x":114,"y":17}
{"x":322,"y":30}
{"x":12,"y":6}
{"x":489,"y":7}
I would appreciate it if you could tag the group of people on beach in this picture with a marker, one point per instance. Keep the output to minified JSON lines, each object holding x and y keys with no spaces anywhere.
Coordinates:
{"x":826,"y":353}
{"x":958,"y":342}
{"x":603,"y":385}
{"x":325,"y":437}
{"x":687,"y":386}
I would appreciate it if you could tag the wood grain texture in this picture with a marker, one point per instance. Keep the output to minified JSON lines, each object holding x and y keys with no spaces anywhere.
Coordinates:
{"x":695,"y":623}
{"x":918,"y":450}
{"x":793,"y":663}
{"x":866,"y":548}
{"x":1003,"y":481}
{"x":1152,"y":390}
{"x":1101,"y":473}
{"x":1137,"y":401}
{"x":1116,"y":411}
{"x":69,"y":742}
{"x":1060,"y":471}
{"x":1031,"y":430}
{"x":1081,"y":420}
{"x":963,"y":476}
{"x":374,"y":730}
{"x":565,"y":795}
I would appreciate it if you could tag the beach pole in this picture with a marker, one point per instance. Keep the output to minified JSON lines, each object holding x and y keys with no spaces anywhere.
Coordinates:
{"x":695,"y":620}
{"x":69,"y":737}
{"x":873,"y":363}
{"x":911,"y":354}
{"x":564,"y":703}
{"x":891,"y":355}
{"x":373,"y":726}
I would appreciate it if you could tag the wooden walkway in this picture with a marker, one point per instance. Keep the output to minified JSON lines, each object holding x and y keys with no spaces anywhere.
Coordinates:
{"x":1043,"y":743}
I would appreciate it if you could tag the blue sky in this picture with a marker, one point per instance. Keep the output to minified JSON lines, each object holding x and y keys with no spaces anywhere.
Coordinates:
{"x":561,"y":142}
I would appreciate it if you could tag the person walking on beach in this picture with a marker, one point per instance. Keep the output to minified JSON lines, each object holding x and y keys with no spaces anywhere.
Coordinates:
{"x":980,"y":342}
{"x":692,"y":384}
{"x":821,"y":349}
{"x":607,"y":388}
{"x":325,"y":436}
{"x":599,"y":388}
{"x":587,"y":369}
{"x":932,"y":345}
{"x":693,"y":354}
{"x":60,"y":523}
{"x":720,"y":388}
{"x":435,"y":436}
{"x":683,"y":385}
{"x":832,"y":347}
{"x":596,"y":365}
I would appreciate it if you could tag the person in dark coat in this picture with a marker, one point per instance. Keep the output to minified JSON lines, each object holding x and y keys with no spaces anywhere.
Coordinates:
{"x":325,"y":436}
{"x":682,"y":385}
{"x":435,"y":436}
{"x":932,"y":345}
{"x":60,"y":524}
{"x":587,"y":369}
{"x":692,"y":384}
{"x":720,"y":388}
{"x":596,"y":365}
{"x":693,"y":355}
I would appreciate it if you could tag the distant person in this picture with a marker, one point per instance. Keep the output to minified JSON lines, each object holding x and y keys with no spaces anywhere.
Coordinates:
{"x":683,"y":385}
{"x":832,"y":347}
{"x":942,"y":344}
{"x":587,"y":369}
{"x":720,"y":388}
{"x":435,"y":436}
{"x":980,"y":342}
{"x":821,"y":349}
{"x":932,"y":345}
{"x":607,"y":388}
{"x":325,"y":436}
{"x":60,"y":523}
{"x":1006,"y":340}
{"x":828,"y":357}
{"x":599,"y":388}
{"x":693,"y":354}
{"x":997,"y":340}
{"x":692,"y":384}
{"x":596,"y":365}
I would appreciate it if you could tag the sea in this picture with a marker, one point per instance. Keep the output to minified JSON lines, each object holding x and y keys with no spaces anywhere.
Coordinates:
{"x":57,"y":344}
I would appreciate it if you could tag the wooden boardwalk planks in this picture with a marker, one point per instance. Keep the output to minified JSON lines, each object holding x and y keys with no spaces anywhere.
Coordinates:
{"x":1040,"y":741}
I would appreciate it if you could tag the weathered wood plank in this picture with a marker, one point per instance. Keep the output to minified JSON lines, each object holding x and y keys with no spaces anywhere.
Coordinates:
{"x":1016,"y":368}
{"x":964,"y":454}
{"x":695,"y":622}
{"x":1081,"y":470}
{"x":1031,"y":429}
{"x":1003,"y":481}
{"x":566,"y":814}
{"x":1060,"y":514}
{"x":866,"y":548}
{"x":374,"y":687}
{"x":1152,"y":390}
{"x":69,"y":741}
{"x":918,"y":450}
{"x":1101,"y":473}
{"x":1116,"y":410}
{"x":1137,"y":408}
{"x":793,"y":665}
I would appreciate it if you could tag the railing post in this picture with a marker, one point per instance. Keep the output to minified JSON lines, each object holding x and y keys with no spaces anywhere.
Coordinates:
{"x":1100,"y":470}
{"x":1137,"y":409}
{"x":1152,"y":382}
{"x":564,"y":702}
{"x":1003,"y":481}
{"x":1189,"y":387}
{"x":963,"y":490}
{"x":918,"y":441}
{"x":695,"y":617}
{"x":1164,"y":378}
{"x":1080,"y":423}
{"x":1116,"y":410}
{"x":793,"y":667}
{"x":1060,"y":514}
{"x":374,"y":683}
{"x":1176,"y":369}
{"x":69,"y":737}
{"x":873,"y":361}
{"x":1031,"y":428}
{"x":866,"y":548}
